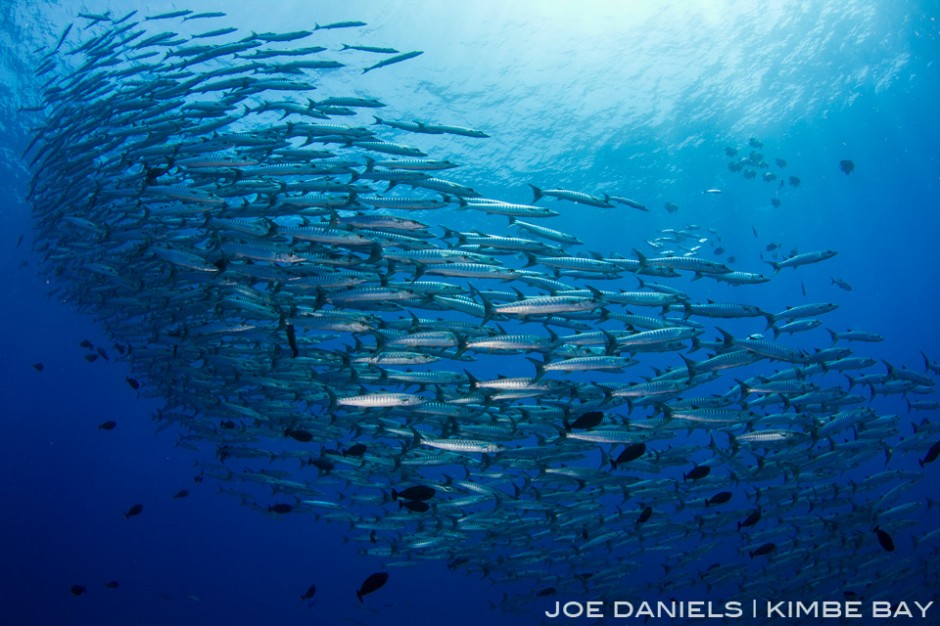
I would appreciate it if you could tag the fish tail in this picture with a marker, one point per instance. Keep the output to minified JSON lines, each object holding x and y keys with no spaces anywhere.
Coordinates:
{"x":536,"y":193}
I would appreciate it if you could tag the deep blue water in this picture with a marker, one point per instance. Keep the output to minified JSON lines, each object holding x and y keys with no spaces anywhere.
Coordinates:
{"x":624,"y":98}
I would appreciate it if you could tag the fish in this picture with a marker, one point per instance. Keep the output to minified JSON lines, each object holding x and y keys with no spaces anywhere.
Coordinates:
{"x":931,"y":455}
{"x":884,"y":539}
{"x":847,"y":166}
{"x":78,"y":590}
{"x":371,"y":584}
{"x":112,"y":584}
{"x":697,"y":473}
{"x":182,"y":493}
{"x":763,"y":550}
{"x":630,"y":453}
{"x":248,"y":243}
{"x":415,"y":492}
{"x":135,"y":510}
{"x":398,"y":58}
{"x":309,"y":593}
{"x":571,"y":196}
{"x":107,"y":425}
{"x":38,"y":367}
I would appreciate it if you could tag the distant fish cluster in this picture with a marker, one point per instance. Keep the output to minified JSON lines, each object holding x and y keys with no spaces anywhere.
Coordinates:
{"x":474,"y":396}
{"x":755,"y":166}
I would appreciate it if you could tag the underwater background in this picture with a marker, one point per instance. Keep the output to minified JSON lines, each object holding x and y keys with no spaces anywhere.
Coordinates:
{"x":635,"y":99}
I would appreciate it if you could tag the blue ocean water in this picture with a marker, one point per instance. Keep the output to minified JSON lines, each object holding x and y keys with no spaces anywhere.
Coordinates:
{"x":639,"y":99}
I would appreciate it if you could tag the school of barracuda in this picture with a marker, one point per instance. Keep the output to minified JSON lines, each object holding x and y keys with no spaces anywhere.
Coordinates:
{"x":286,"y":283}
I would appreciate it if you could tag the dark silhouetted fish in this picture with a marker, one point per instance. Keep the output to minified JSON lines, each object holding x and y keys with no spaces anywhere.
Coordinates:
{"x":586,"y":420}
{"x":133,"y":383}
{"x":372,"y":584}
{"x":112,"y":584}
{"x":309,"y":593}
{"x":698,"y":472}
{"x":645,"y":514}
{"x":931,"y":455}
{"x":415,"y":492}
{"x":357,"y":449}
{"x":847,"y":166}
{"x":78,"y":590}
{"x":763,"y":550}
{"x":182,"y":493}
{"x":630,"y":453}
{"x":719,"y":498}
{"x":107,"y":425}
{"x":884,"y":539}
{"x":418,"y":506}
{"x":280,"y":508}
{"x":135,"y":509}
{"x":750,"y":520}
{"x":38,"y":367}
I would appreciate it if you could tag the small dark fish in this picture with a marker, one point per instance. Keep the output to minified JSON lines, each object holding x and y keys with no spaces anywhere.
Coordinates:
{"x":198,"y":478}
{"x":299,"y":435}
{"x":417,"y":506}
{"x":731,"y":151}
{"x":416,"y":492}
{"x":102,"y":353}
{"x":630,"y":453}
{"x":228,"y":425}
{"x":847,"y":166}
{"x":932,"y":454}
{"x":373,"y":583}
{"x":292,"y":340}
{"x":775,"y":203}
{"x":87,"y":344}
{"x":280,"y":508}
{"x":372,"y":537}
{"x":750,"y":520}
{"x":19,"y":240}
{"x":547,"y":591}
{"x":698,"y":472}
{"x":645,"y":514}
{"x":182,"y":493}
{"x":357,"y":449}
{"x":841,"y":284}
{"x":38,"y":367}
{"x":719,"y":250}
{"x":671,"y":208}
{"x":767,"y":548}
{"x":112,"y":584}
{"x":755,"y":142}
{"x":803,"y":288}
{"x":91,"y":358}
{"x":324,"y":465}
{"x":309,"y":593}
{"x":133,"y":382}
{"x":137,"y":509}
{"x":121,"y":348}
{"x":754,"y":230}
{"x":78,"y":590}
{"x":794,"y":181}
{"x":108,"y":425}
{"x":719,"y":498}
{"x":849,"y":595}
{"x":780,"y":162}
{"x":887,"y":543}
{"x":587,"y":420}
